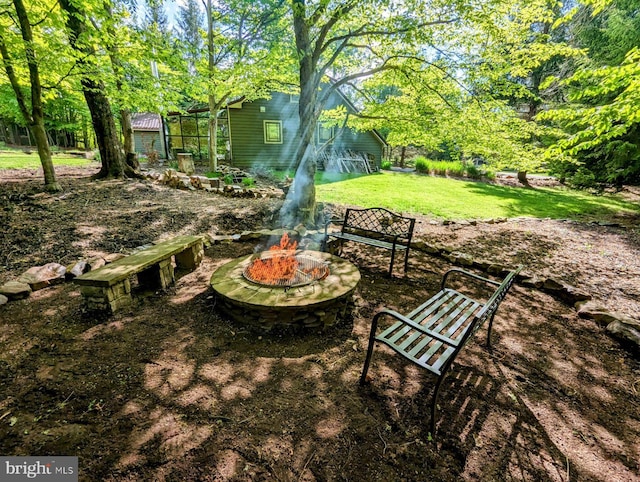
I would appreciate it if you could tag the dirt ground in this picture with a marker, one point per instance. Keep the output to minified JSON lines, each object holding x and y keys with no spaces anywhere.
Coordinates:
{"x":172,"y":390}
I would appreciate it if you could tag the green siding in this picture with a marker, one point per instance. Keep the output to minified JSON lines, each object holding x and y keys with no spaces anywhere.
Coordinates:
{"x":247,"y":134}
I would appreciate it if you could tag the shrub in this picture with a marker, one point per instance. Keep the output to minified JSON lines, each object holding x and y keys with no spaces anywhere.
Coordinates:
{"x":228,"y":179}
{"x":422,"y":165}
{"x":440,"y":168}
{"x":385,"y":164}
{"x":473,"y":172}
{"x":248,"y":181}
{"x":213,"y":174}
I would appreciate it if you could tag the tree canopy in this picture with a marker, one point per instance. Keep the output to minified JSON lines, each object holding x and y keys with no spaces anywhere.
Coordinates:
{"x":516,"y":83}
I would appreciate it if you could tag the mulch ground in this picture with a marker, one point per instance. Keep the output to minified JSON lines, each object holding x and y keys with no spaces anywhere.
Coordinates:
{"x":172,"y":390}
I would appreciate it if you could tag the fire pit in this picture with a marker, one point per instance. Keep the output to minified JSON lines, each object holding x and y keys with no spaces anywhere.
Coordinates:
{"x":286,"y":287}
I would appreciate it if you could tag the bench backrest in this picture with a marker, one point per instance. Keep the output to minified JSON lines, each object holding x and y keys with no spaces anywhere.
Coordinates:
{"x":378,"y":223}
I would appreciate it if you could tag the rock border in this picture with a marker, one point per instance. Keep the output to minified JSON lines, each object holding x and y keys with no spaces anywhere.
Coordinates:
{"x":619,"y":326}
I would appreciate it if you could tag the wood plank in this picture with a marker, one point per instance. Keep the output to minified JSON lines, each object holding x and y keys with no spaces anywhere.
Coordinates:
{"x":128,"y":266}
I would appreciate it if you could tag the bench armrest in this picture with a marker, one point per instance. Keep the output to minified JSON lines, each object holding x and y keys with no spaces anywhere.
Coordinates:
{"x":468,"y":274}
{"x":331,"y":221}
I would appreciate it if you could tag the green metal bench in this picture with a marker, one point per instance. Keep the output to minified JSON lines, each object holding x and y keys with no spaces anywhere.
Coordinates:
{"x":377,"y":227}
{"x":109,"y":288}
{"x":433,"y":334}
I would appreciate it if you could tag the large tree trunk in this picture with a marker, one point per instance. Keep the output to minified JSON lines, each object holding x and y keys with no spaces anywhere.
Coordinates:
{"x":129,"y":143}
{"x":35,"y":119}
{"x":300,"y":206}
{"x":522,"y":178}
{"x":111,"y":152}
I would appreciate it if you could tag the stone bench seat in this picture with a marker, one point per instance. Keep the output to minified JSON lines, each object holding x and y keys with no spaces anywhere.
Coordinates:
{"x":109,"y":288}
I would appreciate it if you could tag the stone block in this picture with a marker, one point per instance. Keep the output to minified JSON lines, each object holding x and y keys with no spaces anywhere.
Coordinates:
{"x":76,"y":269}
{"x":40,"y":277}
{"x":190,"y":258}
{"x":14,"y":290}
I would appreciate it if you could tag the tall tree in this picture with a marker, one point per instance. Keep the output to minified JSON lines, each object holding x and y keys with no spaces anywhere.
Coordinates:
{"x":599,"y":118}
{"x":340,"y":42}
{"x":155,"y":16}
{"x":190,"y":23}
{"x":34,"y":116}
{"x":243,"y":58}
{"x":109,"y":145}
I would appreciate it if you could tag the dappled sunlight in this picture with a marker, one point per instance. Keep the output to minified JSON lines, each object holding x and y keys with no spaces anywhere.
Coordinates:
{"x":199,"y":395}
{"x":586,"y":443}
{"x":240,"y":388}
{"x":173,"y":435}
{"x":105,"y":328}
{"x":330,"y":427}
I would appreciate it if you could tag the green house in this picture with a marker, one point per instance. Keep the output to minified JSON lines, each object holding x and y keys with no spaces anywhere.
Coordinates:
{"x":264,"y":132}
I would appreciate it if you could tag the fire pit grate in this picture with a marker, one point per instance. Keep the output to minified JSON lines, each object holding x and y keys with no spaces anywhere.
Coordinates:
{"x":283,"y":269}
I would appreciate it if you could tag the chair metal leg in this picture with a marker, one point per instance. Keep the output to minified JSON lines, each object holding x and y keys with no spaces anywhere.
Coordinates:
{"x":393,"y":255}
{"x":372,"y":341}
{"x":434,"y":401}
{"x":406,"y":260}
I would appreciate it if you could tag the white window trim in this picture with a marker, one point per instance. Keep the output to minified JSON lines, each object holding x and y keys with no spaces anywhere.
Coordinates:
{"x":264,"y":129}
{"x":294,"y":98}
{"x":331,"y":136}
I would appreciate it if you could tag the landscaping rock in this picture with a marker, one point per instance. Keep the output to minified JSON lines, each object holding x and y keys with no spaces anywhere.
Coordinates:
{"x":564,"y":291}
{"x":533,"y":282}
{"x":96,"y":263}
{"x":40,"y":277}
{"x":3,"y":300}
{"x":592,"y":311}
{"x":496,"y":269}
{"x":110,"y":258}
{"x":626,"y":329}
{"x":14,"y":290}
{"x":76,"y":269}
{"x":460,"y":259}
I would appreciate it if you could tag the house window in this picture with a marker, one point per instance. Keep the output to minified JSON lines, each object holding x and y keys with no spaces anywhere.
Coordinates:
{"x":325,"y":134}
{"x":272,"y":132}
{"x":294,"y":99}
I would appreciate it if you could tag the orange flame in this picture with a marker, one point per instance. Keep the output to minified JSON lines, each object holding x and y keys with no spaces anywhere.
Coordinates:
{"x":280,"y":267}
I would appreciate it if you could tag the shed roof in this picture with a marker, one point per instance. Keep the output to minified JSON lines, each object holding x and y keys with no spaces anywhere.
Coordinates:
{"x":145,"y":121}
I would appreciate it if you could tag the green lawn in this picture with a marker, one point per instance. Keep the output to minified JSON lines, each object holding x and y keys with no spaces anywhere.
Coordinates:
{"x":454,"y":199}
{"x":20,"y":160}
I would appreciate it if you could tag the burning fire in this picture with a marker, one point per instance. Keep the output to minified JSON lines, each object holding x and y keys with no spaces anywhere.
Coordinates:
{"x":281,"y":266}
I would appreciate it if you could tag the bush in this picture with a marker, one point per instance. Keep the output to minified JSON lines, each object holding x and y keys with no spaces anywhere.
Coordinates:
{"x":422,"y":165}
{"x":248,"y":182}
{"x":213,"y":174}
{"x":385,"y":164}
{"x":228,"y":179}
{"x":473,"y":172}
{"x":440,"y":168}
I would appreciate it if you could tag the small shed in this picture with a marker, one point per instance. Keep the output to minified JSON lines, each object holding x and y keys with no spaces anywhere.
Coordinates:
{"x":147,"y":128}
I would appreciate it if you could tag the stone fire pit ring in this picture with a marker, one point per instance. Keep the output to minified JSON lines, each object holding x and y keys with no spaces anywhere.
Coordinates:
{"x":316,"y":305}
